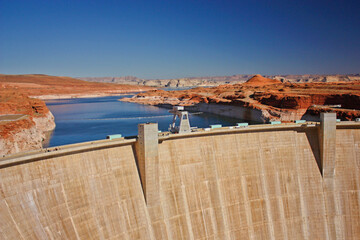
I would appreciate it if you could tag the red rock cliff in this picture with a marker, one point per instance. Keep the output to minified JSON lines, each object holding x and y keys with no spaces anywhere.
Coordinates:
{"x":23,"y":123}
{"x":266,"y":99}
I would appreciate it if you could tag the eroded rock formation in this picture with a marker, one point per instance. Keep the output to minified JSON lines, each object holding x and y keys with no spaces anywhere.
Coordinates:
{"x":24,"y":122}
{"x":264,"y":99}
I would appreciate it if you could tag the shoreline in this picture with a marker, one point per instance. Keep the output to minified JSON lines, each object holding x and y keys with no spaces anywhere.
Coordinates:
{"x":262,"y":99}
{"x":81,"y":95}
{"x":249,"y":114}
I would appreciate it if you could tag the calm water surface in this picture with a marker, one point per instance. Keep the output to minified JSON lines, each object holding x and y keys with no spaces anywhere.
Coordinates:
{"x":87,"y":119}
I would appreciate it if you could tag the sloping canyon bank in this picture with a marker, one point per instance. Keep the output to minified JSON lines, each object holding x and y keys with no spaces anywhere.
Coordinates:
{"x":219,"y":80}
{"x":25,"y":120}
{"x":263,"y":99}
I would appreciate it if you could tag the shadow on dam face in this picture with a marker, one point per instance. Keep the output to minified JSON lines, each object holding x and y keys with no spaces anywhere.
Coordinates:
{"x":255,"y":183}
{"x":313,"y":138}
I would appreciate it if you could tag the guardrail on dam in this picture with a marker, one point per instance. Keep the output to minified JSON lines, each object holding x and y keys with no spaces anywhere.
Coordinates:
{"x":286,"y":181}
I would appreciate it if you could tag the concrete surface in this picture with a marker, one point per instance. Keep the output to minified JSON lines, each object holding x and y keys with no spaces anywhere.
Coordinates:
{"x":260,"y":182}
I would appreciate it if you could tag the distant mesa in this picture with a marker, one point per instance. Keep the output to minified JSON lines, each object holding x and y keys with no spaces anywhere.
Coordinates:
{"x":212,"y":81}
{"x":259,"y":80}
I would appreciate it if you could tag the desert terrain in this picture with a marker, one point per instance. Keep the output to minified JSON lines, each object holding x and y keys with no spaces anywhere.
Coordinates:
{"x":48,"y":87}
{"x":25,"y":119}
{"x":211,"y":81}
{"x":264,"y":99}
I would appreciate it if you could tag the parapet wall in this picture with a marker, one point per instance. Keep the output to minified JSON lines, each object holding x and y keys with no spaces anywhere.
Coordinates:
{"x":256,"y":183}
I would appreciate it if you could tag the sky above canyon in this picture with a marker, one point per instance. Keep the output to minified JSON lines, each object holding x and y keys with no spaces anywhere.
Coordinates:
{"x":172,"y":39}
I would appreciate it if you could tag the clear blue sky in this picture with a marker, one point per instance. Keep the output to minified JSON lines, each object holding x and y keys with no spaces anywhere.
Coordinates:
{"x":170,"y":39}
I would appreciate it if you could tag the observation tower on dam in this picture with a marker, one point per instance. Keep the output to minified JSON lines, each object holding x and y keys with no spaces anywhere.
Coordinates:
{"x":280,"y":181}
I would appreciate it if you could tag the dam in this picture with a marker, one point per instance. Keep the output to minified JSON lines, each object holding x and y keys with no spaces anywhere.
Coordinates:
{"x":283,"y":181}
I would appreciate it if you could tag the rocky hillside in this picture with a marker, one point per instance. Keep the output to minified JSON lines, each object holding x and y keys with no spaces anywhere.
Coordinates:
{"x":63,"y":87}
{"x":259,"y":81}
{"x":264,"y":99}
{"x":219,"y":80}
{"x":24,"y":122}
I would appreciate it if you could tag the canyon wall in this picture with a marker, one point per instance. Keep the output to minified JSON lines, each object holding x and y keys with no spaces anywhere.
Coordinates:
{"x":24,"y":122}
{"x":259,"y":115}
{"x":26,"y":134}
{"x":262,"y":99}
{"x":260,"y":182}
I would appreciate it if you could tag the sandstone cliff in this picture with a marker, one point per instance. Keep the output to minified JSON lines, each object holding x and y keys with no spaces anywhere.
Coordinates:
{"x":23,"y":122}
{"x":263,"y":99}
{"x":24,"y":135}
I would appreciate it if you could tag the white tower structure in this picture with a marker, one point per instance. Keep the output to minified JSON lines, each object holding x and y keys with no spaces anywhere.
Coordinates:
{"x":184,"y":126}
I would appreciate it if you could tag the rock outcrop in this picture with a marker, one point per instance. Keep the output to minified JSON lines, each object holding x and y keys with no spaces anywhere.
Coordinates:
{"x":258,"y":81}
{"x":27,"y":134}
{"x":24,"y":123}
{"x":263,"y":99}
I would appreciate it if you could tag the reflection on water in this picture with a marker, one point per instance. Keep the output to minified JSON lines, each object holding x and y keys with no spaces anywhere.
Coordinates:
{"x":177,"y":88}
{"x":87,"y":119}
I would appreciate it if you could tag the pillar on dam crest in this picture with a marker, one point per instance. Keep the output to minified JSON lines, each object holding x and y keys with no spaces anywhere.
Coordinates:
{"x":147,"y":151}
{"x":327,"y":143}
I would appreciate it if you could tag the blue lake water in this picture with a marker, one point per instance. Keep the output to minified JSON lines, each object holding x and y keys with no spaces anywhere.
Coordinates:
{"x":88,"y":119}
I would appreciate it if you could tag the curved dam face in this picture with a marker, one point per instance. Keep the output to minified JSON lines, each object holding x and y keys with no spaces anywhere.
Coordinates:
{"x":270,"y":182}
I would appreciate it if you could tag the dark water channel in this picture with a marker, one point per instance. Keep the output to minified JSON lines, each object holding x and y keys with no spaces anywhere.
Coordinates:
{"x":87,"y":119}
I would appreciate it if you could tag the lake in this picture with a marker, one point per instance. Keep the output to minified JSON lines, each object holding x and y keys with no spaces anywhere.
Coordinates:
{"x":87,"y":119}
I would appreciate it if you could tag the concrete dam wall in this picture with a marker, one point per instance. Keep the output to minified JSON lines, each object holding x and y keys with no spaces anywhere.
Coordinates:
{"x":262,"y":182}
